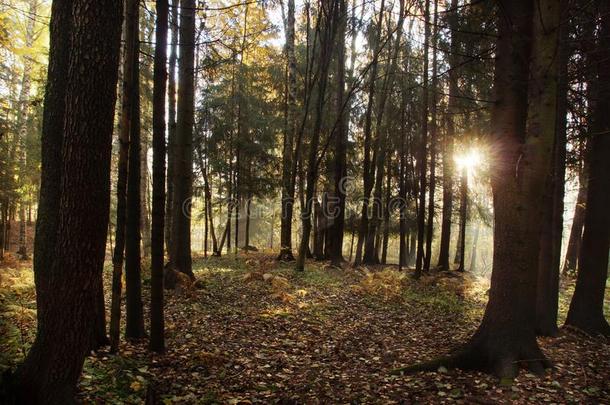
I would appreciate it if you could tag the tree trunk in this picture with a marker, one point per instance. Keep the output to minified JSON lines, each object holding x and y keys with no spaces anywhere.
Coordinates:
{"x":506,"y":338}
{"x":422,"y":155}
{"x":171,"y":123}
{"x":157,"y":322}
{"x":318,"y":231}
{"x":448,"y":142}
{"x":587,"y":307}
{"x":134,"y":318}
{"x":247,"y":230}
{"x":328,"y":14}
{"x":433,"y":130}
{"x":75,"y":195}
{"x":473,"y":255}
{"x":578,"y":222}
{"x":341,"y":131}
{"x":130,"y":55}
{"x":380,"y":148}
{"x":386,"y":213}
{"x":461,"y":247}
{"x":287,"y":153}
{"x":549,"y":261}
{"x":22,"y":128}
{"x":368,"y":162}
{"x":180,"y":255}
{"x":144,"y":194}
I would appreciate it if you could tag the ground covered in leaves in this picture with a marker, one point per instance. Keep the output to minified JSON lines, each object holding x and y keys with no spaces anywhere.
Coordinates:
{"x":254,"y":331}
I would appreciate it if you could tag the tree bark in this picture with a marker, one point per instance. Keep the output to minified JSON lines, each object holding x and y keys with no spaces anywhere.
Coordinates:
{"x":75,"y":198}
{"x":171,"y":122}
{"x":288,"y":186}
{"x":433,"y":144}
{"x":461,"y":246}
{"x":327,"y":28}
{"x":157,"y":324}
{"x":22,"y":128}
{"x":549,"y":261}
{"x":448,"y":142}
{"x":422,"y":157}
{"x":380,"y":148}
{"x":573,"y":250}
{"x":506,"y":338}
{"x":130,"y":54}
{"x":341,"y":132}
{"x":134,"y":317}
{"x":587,"y":307}
{"x":180,"y":255}
{"x":368,"y":162}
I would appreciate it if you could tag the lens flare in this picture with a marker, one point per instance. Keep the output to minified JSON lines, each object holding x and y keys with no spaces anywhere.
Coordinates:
{"x":469,"y":160}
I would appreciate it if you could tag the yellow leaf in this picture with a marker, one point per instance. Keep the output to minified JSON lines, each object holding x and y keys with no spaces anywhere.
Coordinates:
{"x":136,"y":386}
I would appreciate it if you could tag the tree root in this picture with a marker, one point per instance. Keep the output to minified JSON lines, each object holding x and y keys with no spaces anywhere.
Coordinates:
{"x":503,"y":362}
{"x":285,"y":256}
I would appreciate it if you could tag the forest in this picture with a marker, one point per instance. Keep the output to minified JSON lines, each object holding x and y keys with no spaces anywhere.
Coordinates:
{"x":304,"y":201}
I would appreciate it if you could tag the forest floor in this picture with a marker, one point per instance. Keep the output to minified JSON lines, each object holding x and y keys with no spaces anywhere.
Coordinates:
{"x":254,"y":331}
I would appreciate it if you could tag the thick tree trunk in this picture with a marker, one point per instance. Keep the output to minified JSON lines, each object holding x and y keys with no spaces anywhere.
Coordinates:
{"x":587,"y":306}
{"x":549,"y":261}
{"x":180,"y":255}
{"x":157,"y":324}
{"x":134,"y":317}
{"x":506,"y":338}
{"x":75,"y":198}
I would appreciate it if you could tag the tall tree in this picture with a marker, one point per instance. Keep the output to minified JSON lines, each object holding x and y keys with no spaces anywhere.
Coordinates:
{"x":422,"y":157}
{"x":433,"y":142}
{"x":180,"y":252}
{"x":327,"y":26}
{"x":340,"y":152}
{"x":75,"y":195}
{"x":587,"y":307}
{"x":448,"y":141}
{"x":523,"y":128}
{"x":157,"y":326}
{"x":134,"y":319}
{"x":130,"y":36}
{"x":460,"y":253}
{"x":288,"y":185}
{"x":171,"y":121}
{"x":130,"y":54}
{"x":23,"y":127}
{"x":380,"y":146}
{"x":368,"y":164}
{"x":549,"y":261}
